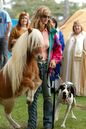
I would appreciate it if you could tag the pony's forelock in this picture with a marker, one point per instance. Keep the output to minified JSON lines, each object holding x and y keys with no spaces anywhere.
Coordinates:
{"x":35,"y":39}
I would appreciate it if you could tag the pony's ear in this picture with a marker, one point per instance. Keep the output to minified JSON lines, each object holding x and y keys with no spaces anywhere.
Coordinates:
{"x":29,"y":30}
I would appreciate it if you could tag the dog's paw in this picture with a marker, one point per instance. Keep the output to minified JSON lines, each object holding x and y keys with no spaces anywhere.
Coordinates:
{"x":63,"y":126}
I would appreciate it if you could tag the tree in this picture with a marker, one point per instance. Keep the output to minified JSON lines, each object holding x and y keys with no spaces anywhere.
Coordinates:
{"x":66,"y":10}
{"x":31,"y":5}
{"x":57,"y":10}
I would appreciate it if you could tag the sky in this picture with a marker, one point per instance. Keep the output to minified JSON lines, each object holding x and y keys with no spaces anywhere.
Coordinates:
{"x":58,"y":1}
{"x":76,"y":1}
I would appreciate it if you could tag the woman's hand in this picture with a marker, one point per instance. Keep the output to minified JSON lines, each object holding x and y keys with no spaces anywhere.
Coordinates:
{"x":14,"y":41}
{"x":5,"y":36}
{"x":53,"y":64}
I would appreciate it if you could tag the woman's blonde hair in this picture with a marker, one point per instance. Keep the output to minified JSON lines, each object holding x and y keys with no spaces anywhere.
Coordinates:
{"x":36,"y":21}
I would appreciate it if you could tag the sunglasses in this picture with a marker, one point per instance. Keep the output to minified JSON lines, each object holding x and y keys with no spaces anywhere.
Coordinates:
{"x":45,"y":16}
{"x":22,"y":17}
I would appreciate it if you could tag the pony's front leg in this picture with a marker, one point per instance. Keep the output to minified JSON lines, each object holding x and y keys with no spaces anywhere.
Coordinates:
{"x":37,"y":82}
{"x":27,"y":82}
{"x":8,"y":106}
{"x":30,"y":95}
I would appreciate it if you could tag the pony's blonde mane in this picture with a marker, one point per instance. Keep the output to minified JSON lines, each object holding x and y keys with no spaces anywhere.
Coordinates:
{"x":17,"y":62}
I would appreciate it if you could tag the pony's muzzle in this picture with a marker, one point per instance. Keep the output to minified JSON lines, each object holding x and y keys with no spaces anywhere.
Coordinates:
{"x":39,"y":57}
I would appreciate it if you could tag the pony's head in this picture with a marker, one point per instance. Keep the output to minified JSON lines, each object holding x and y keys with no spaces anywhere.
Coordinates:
{"x":36,"y":43}
{"x":37,"y":54}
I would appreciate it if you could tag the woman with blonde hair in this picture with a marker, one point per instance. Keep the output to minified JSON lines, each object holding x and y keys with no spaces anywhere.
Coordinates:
{"x":51,"y":55}
{"x":19,"y":29}
{"x":73,"y":65}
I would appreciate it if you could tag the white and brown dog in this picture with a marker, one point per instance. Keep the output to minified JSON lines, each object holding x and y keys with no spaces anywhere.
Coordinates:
{"x":66,"y":95}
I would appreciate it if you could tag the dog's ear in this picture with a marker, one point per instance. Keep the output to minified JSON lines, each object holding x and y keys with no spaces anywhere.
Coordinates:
{"x":62,"y":87}
{"x":29,"y":30}
{"x":73,"y":90}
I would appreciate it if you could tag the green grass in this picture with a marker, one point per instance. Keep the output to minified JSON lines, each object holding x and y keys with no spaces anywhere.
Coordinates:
{"x":20,"y":114}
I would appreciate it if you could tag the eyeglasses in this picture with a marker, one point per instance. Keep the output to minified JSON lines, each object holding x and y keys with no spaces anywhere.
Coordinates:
{"x":45,"y":16}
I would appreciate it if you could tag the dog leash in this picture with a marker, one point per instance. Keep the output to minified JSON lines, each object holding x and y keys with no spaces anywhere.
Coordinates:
{"x":54,"y":70}
{"x":53,"y":117}
{"x":50,"y":85}
{"x":53,"y":108}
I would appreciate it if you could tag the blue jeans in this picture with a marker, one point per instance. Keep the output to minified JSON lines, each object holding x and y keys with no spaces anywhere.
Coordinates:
{"x":47,"y":103}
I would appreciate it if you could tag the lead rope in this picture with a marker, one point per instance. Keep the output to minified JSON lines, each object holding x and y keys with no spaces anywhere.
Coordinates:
{"x":34,"y":107}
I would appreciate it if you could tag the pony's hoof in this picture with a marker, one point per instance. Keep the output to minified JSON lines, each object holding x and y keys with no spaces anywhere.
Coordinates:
{"x":29,"y":102}
{"x":18,"y":127}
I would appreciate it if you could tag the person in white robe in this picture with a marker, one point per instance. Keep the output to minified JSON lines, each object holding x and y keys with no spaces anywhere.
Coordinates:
{"x":74,"y":59}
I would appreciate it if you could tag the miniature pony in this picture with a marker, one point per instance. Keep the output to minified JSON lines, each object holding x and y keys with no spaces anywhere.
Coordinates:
{"x":21,"y":71}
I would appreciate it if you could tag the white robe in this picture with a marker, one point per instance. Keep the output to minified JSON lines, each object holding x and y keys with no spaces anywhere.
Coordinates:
{"x":71,"y":65}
